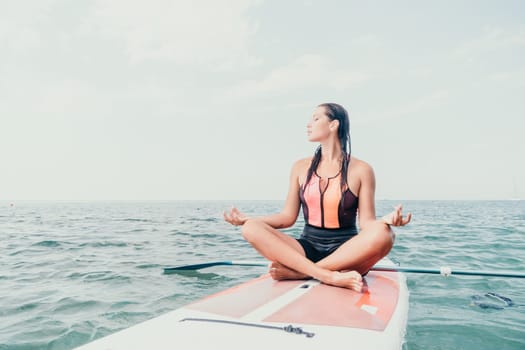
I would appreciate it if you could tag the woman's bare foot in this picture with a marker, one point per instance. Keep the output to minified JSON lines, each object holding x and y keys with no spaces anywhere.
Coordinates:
{"x":280,"y":272}
{"x":351,"y":280}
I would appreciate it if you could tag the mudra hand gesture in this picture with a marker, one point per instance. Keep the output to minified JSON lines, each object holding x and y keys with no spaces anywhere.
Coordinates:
{"x":395,"y":218}
{"x":235,"y":217}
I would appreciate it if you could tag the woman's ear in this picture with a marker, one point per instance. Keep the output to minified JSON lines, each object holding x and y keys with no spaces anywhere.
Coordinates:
{"x":334,"y":124}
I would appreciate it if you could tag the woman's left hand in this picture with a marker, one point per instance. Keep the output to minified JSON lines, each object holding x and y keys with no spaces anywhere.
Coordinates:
{"x":396,"y":218}
{"x":235,"y":217}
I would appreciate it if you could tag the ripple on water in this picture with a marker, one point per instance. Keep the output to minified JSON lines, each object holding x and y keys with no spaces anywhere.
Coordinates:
{"x":148,"y":266}
{"x":100,"y":276}
{"x":47,"y":243}
{"x":68,"y":305}
{"x":126,"y":317}
{"x":104,"y":244}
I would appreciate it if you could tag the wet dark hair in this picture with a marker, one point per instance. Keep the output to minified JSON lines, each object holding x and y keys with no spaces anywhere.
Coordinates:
{"x":339,"y":113}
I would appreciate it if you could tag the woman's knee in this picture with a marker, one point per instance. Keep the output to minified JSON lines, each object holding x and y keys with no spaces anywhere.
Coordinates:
{"x":250,"y":228}
{"x":382,"y":236}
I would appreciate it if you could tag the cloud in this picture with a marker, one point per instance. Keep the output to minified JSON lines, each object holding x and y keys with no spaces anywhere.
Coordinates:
{"x":492,"y":40}
{"x":307,"y":71}
{"x":203,"y":32}
{"x":408,"y":109}
{"x":19,"y":25}
{"x":508,"y":77}
{"x":368,"y":40}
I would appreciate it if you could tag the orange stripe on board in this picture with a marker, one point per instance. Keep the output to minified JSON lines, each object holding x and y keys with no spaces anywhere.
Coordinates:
{"x":332,"y":306}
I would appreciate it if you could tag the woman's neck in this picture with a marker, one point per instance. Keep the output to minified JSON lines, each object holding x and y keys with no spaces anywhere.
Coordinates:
{"x":331,"y":152}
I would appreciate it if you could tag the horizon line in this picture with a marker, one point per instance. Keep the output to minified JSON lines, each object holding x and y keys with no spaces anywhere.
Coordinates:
{"x":12,"y":201}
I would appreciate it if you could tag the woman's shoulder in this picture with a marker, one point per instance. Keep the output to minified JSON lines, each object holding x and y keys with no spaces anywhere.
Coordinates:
{"x":301,"y":165}
{"x":303,"y":162}
{"x":359,"y":165}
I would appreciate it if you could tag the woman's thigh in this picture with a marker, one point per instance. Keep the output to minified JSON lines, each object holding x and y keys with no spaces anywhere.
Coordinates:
{"x":258,"y":229}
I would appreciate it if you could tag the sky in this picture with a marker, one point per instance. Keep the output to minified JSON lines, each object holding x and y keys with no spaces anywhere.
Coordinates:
{"x":209,"y":100}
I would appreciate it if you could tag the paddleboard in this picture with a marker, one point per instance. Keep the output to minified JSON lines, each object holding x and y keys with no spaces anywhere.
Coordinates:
{"x":265,"y":314}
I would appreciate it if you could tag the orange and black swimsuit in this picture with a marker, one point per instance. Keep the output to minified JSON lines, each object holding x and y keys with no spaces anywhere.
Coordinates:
{"x":329,"y":215}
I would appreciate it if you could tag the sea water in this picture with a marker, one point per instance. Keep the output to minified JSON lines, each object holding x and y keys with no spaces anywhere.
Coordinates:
{"x":71,"y":272}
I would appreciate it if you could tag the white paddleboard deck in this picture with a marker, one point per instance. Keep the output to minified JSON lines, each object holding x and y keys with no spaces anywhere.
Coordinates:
{"x":252,"y":315}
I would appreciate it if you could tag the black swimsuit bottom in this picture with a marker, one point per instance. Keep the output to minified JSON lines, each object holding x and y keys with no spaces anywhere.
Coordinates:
{"x":318,"y":243}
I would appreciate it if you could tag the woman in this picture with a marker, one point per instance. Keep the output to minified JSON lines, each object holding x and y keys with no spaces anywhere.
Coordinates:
{"x":332,"y":187}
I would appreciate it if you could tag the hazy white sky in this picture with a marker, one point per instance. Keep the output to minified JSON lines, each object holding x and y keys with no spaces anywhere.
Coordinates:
{"x":165,"y":99}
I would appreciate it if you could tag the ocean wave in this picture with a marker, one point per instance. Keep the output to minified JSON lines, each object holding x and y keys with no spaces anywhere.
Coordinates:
{"x":47,"y":243}
{"x":104,"y":244}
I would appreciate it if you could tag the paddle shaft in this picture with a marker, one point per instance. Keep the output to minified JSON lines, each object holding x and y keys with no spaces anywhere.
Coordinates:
{"x":447,"y":271}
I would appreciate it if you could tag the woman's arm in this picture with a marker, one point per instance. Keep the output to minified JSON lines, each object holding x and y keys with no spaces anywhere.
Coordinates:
{"x":287,"y":216}
{"x":366,"y":195}
{"x":367,"y":213}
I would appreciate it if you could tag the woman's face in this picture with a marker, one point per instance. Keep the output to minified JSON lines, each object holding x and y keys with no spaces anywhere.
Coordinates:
{"x":320,"y":126}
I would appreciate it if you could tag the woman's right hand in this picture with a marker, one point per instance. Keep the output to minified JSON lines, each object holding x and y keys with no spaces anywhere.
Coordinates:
{"x":395,"y":218}
{"x":235,"y":217}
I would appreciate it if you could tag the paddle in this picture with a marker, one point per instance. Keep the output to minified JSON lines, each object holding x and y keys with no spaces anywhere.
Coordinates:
{"x":445,"y":271}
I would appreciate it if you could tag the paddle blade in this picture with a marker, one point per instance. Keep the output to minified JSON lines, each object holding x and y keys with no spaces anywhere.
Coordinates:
{"x":168,"y":270}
